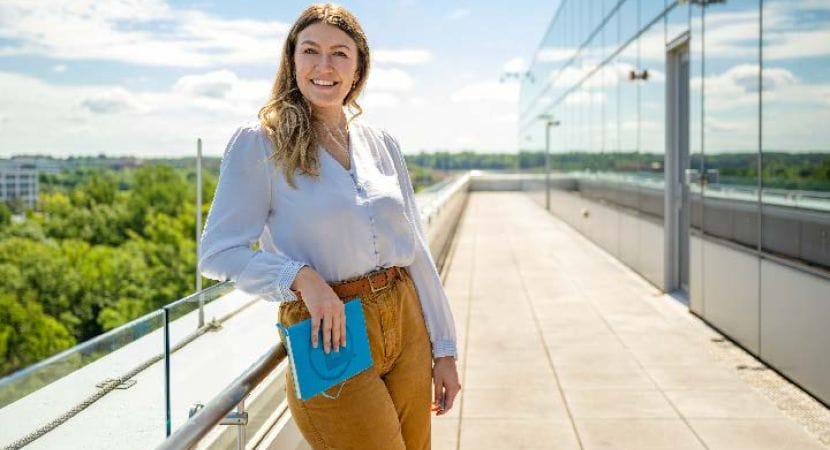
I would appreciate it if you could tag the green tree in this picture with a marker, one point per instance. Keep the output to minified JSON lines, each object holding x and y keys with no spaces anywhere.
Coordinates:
{"x":27,"y":334}
{"x":157,"y":188}
{"x":5,"y":216}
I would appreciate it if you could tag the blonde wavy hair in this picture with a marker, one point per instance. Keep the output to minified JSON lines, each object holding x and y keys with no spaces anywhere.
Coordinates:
{"x":287,"y":117}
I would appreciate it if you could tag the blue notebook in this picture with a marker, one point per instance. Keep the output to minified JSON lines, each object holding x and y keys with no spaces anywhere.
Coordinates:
{"x":314,"y":370}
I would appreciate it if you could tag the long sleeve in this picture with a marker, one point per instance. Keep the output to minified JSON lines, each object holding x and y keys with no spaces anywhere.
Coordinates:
{"x":434,"y":302}
{"x":237,"y":219}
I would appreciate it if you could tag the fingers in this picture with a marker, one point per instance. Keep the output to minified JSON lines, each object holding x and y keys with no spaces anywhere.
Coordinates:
{"x":327,"y":324}
{"x":315,"y":330}
{"x":446,"y":388}
{"x":438,"y":394}
{"x":444,"y":401}
{"x":449,"y":397}
{"x":335,"y":331}
{"x":343,"y":330}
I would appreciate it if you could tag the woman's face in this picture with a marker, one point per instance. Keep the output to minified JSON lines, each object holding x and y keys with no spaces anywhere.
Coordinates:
{"x":325,"y":61}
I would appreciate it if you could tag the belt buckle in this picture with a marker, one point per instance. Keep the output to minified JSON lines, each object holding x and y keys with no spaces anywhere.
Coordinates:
{"x":372,"y":287}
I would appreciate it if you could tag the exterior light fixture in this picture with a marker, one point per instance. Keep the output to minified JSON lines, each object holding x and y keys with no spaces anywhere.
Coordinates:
{"x":550,"y":122}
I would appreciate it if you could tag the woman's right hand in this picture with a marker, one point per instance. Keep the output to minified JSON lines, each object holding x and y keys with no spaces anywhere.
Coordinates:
{"x":325,"y":307}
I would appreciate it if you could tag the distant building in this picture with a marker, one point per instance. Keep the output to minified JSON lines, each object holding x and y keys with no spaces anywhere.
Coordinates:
{"x":18,"y":181}
{"x":40,"y":163}
{"x":124,"y":163}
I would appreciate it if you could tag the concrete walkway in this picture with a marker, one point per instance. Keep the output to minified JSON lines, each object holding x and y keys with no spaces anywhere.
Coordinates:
{"x":563,"y":347}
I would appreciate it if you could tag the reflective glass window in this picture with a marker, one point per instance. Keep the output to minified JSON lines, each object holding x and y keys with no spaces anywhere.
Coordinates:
{"x":795,"y":164}
{"x":677,"y":20}
{"x":730,"y":121}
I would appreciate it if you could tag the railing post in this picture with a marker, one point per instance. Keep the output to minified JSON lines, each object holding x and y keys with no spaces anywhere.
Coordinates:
{"x":167,"y":420}
{"x":240,"y":437}
{"x":199,"y":230}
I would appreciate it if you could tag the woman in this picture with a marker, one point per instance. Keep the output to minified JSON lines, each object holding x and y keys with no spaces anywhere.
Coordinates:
{"x":331,"y":204}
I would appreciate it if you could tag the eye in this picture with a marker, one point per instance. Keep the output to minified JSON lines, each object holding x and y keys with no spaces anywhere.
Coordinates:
{"x":309,"y":51}
{"x":340,"y":53}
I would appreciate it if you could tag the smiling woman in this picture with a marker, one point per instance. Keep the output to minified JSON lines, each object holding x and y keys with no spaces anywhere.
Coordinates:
{"x":324,"y":66}
{"x":333,"y":229}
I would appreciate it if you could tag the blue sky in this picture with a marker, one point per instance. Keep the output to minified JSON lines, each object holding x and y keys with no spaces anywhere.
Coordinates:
{"x":147,"y":77}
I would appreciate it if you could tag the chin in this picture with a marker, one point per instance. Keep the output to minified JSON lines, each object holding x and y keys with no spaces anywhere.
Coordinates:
{"x":327,"y":103}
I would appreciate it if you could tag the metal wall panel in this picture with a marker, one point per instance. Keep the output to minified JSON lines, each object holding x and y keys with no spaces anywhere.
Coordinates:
{"x":651,"y":248}
{"x":730,"y":288}
{"x":795,"y":331}
{"x":696,"y":300}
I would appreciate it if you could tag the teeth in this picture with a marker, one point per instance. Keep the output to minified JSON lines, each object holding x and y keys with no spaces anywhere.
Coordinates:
{"x":323,"y":82}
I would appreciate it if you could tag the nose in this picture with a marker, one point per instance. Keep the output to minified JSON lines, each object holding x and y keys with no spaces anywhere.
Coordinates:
{"x":325,"y":62}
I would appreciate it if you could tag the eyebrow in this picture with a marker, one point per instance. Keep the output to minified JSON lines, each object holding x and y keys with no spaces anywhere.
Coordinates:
{"x":307,"y":42}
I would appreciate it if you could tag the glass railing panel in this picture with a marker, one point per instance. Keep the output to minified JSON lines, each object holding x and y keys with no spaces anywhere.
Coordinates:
{"x":432,"y":197}
{"x":22,"y":383}
{"x":236,"y":330}
{"x":93,"y":386}
{"x":116,"y":380}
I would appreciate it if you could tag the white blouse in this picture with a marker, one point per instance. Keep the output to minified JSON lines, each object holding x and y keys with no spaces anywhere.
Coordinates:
{"x":343,"y":224}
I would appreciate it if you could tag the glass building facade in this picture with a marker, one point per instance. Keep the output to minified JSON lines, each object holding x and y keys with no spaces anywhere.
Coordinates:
{"x":715,"y":111}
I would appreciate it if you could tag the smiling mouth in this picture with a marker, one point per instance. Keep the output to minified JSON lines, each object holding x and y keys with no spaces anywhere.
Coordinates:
{"x":324,"y":83}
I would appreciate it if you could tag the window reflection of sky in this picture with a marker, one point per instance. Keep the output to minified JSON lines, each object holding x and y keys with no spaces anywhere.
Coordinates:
{"x":738,"y":135}
{"x":796,"y":48}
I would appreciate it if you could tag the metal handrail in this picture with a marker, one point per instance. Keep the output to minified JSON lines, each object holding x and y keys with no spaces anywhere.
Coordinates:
{"x":189,"y":434}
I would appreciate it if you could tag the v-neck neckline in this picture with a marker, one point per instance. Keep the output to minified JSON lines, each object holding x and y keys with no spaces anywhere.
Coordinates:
{"x":352,"y":146}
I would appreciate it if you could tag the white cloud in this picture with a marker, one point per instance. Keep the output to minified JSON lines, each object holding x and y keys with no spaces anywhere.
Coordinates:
{"x":515,"y":65}
{"x":583,"y":97}
{"x":394,"y":79}
{"x":487,"y":91}
{"x":801,"y":44}
{"x":60,"y":68}
{"x":738,"y":86}
{"x":735,"y":34}
{"x":479,"y":120}
{"x":214,"y":84}
{"x":554,"y":54}
{"x":379,"y":100}
{"x":402,"y":56}
{"x":112,"y":101}
{"x":144,"y":32}
{"x":115,"y":120}
{"x":221,"y":91}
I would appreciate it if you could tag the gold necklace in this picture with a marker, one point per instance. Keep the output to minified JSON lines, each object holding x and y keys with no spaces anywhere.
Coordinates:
{"x":344,"y":136}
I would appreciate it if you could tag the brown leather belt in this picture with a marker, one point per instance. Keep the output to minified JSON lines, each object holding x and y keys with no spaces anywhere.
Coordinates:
{"x":368,"y":284}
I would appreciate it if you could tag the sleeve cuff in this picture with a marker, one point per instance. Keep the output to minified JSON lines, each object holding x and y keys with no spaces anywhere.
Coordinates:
{"x":285,"y":279}
{"x":444,"y":348}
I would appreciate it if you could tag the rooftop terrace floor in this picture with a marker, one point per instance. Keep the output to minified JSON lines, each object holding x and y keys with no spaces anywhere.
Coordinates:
{"x":563,"y":347}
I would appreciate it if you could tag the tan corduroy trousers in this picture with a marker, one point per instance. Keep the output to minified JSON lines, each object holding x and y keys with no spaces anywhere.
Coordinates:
{"x":387,"y":406}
